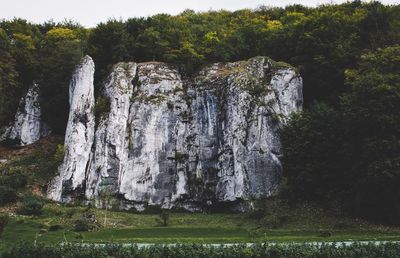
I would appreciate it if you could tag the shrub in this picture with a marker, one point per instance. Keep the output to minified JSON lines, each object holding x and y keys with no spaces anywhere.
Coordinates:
{"x":324,"y":233}
{"x":7,"y":195}
{"x":18,"y":180}
{"x":163,"y":219}
{"x":55,"y":227}
{"x":69,"y":213}
{"x":11,"y":142}
{"x":14,"y":179}
{"x":3,"y":222}
{"x":31,"y":206}
{"x":81,"y":225}
{"x":84,"y":225}
{"x":152,"y":209}
{"x":86,"y":222}
{"x":101,"y":108}
{"x":198,"y":250}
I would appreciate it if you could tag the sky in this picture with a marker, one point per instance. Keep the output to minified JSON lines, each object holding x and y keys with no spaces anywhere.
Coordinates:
{"x":91,"y":12}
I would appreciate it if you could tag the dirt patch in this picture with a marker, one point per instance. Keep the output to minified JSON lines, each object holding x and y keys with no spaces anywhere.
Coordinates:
{"x":10,"y":153}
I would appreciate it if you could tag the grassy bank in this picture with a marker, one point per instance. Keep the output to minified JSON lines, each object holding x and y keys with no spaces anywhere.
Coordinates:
{"x":305,"y":223}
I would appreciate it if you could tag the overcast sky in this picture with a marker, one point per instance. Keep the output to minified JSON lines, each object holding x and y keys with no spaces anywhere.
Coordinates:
{"x":91,"y":12}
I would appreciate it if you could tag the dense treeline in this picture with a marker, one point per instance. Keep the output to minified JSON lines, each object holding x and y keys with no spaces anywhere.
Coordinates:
{"x":343,"y":150}
{"x":45,"y":53}
{"x":349,"y":157}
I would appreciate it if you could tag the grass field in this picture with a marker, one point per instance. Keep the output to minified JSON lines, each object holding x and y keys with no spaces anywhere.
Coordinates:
{"x":303,"y":224}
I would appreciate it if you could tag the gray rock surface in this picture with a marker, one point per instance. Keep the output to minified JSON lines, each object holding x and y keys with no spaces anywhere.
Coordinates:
{"x":78,"y":136}
{"x":182,"y":143}
{"x":28,"y":126}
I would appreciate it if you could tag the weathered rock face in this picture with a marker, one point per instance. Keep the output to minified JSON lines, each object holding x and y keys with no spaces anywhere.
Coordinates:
{"x":110,"y":154}
{"x":78,"y":136}
{"x":191,"y":143}
{"x":27,"y":127}
{"x":238,"y":109}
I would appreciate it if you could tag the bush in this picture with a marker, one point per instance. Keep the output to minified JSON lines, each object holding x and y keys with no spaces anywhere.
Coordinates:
{"x":101,"y":108}
{"x":81,"y":225}
{"x":3,"y":222}
{"x":31,"y":206}
{"x":197,"y":250}
{"x":164,"y":218}
{"x":55,"y":227}
{"x":324,"y":233}
{"x":15,"y":179}
{"x":69,"y":213}
{"x":86,"y":222}
{"x":152,"y":209}
{"x":18,"y":180}
{"x":84,"y":225}
{"x":11,"y":142}
{"x":7,"y":195}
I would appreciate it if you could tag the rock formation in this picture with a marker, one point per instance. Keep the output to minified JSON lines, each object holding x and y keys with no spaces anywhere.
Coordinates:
{"x":78,"y":136}
{"x":28,"y":126}
{"x":178,"y":143}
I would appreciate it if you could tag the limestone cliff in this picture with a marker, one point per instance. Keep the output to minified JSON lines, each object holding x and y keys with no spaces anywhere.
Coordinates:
{"x":78,"y":136}
{"x":173,"y":142}
{"x":27,"y":126}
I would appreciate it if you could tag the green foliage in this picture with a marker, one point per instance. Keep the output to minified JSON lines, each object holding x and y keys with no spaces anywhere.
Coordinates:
{"x":198,"y":250}
{"x":4,"y":218}
{"x":87,"y":222}
{"x":59,"y":153}
{"x":14,"y":178}
{"x":322,"y":42}
{"x":371,"y":128}
{"x":69,"y":213}
{"x":163,"y":219}
{"x":45,"y":54}
{"x":152,"y":209}
{"x":7,"y":195}
{"x":10,"y":90}
{"x":81,"y":225}
{"x":31,"y":205}
{"x":60,"y":52}
{"x":311,"y":147}
{"x":349,"y":157}
{"x":55,"y":227}
{"x":101,"y":108}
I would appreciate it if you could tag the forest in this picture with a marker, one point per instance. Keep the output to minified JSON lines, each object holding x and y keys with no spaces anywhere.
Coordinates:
{"x":342,"y":151}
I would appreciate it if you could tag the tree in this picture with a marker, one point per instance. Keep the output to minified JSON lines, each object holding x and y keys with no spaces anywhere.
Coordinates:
{"x":350,"y":157}
{"x":107,"y":200}
{"x":164,"y":218}
{"x":371,"y":125}
{"x":31,"y":205}
{"x":311,"y":143}
{"x":7,"y":195}
{"x":60,"y":53}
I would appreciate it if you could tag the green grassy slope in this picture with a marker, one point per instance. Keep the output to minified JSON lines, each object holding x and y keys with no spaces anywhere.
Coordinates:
{"x":303,"y":224}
